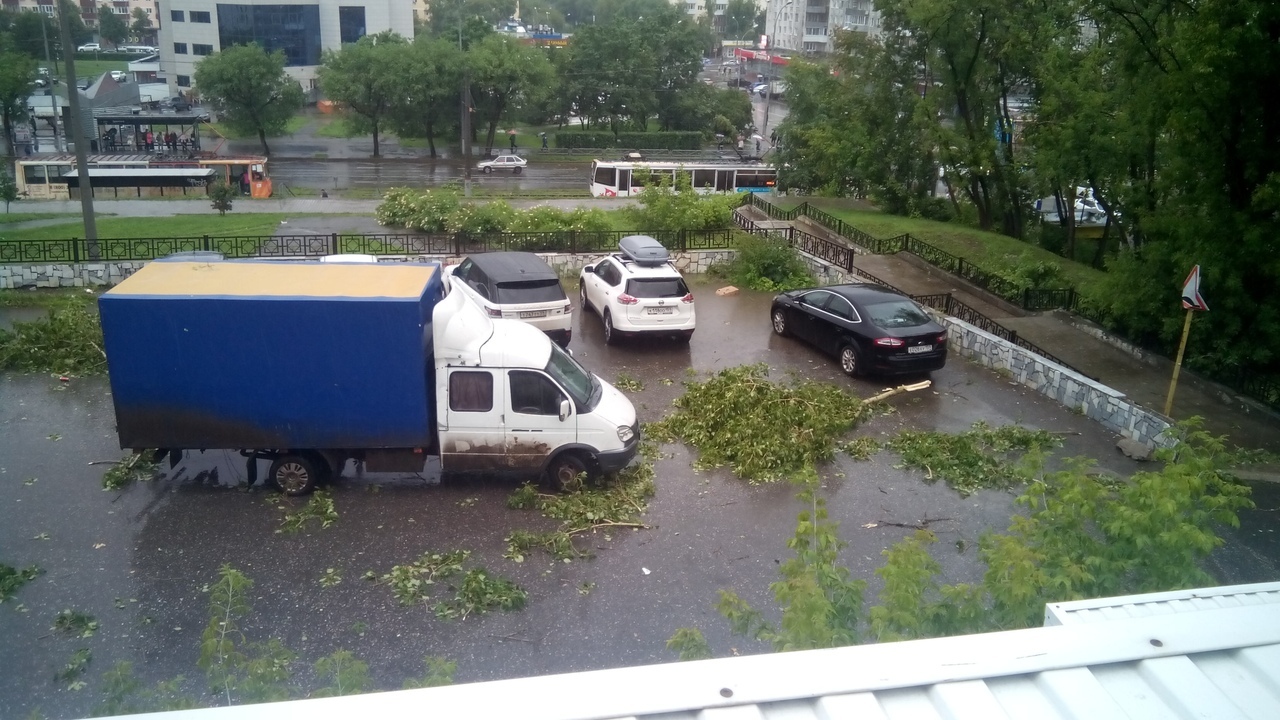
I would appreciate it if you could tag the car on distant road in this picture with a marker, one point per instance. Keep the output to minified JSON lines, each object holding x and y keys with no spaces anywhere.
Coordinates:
{"x":118,"y":75}
{"x":90,"y":47}
{"x":517,"y":286}
{"x":179,"y":104}
{"x":515,"y":163}
{"x":872,"y":330}
{"x":638,"y":292}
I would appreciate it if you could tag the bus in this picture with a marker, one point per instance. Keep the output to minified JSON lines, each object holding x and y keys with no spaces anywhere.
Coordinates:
{"x":44,"y":176}
{"x":626,"y":178}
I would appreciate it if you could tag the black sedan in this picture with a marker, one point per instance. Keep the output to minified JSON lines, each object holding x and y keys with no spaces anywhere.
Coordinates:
{"x":872,"y":330}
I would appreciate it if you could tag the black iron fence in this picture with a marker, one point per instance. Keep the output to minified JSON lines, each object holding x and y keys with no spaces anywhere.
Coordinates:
{"x":75,"y":250}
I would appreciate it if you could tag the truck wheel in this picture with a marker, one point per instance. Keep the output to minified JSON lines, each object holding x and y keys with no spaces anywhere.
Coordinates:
{"x":567,"y":473}
{"x":294,"y":474}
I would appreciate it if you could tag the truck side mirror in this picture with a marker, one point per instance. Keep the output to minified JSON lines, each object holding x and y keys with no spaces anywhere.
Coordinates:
{"x":564,"y":409}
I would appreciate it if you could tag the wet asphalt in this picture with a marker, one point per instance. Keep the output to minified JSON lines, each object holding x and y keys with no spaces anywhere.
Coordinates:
{"x":139,"y":560}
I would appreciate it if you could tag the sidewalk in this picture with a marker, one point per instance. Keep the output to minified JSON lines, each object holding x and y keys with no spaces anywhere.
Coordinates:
{"x":1144,"y":379}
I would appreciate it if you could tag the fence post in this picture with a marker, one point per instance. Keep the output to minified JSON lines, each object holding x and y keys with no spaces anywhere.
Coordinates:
{"x":75,"y":249}
{"x":684,"y":240}
{"x":1026,"y":298}
{"x":573,"y":241}
{"x":205,"y":244}
{"x":457,"y":244}
{"x":333,"y":244}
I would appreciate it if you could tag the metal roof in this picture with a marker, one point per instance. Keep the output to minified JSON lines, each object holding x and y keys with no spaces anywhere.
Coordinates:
{"x":1214,"y":655}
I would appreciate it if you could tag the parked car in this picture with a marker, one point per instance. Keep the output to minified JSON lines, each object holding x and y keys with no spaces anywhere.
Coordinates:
{"x":118,"y":75}
{"x":90,"y":47}
{"x":517,"y":286}
{"x":180,"y":104}
{"x":503,"y":162}
{"x":638,"y":292}
{"x":870,"y":329}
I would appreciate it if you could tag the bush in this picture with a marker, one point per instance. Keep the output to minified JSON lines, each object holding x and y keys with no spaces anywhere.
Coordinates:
{"x":769,"y":265}
{"x":544,"y":218}
{"x":631,"y":140}
{"x":663,"y":207}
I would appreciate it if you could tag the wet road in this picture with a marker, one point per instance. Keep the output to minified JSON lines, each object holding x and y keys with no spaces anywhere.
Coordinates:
{"x":341,"y":174}
{"x":139,"y":560}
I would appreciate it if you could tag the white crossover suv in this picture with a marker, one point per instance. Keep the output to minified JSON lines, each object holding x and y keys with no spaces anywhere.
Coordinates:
{"x":638,"y":292}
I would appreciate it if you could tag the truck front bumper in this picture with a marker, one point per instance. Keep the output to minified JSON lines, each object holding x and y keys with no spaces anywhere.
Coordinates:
{"x":614,"y":460}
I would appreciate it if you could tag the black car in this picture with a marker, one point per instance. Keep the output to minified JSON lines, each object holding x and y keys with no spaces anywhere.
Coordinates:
{"x":872,"y":330}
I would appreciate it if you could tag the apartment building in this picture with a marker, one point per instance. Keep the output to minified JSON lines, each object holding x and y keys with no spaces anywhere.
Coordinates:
{"x":301,"y":29}
{"x":809,"y":26}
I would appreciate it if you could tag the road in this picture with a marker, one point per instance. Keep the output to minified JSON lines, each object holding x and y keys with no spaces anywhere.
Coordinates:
{"x":139,"y":560}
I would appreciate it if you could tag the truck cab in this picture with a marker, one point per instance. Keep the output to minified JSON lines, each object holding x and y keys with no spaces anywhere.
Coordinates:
{"x":510,"y":401}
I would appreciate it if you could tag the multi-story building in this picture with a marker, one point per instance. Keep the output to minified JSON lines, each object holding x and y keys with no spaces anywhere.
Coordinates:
{"x":88,"y":8}
{"x":302,"y":29}
{"x":809,"y":26}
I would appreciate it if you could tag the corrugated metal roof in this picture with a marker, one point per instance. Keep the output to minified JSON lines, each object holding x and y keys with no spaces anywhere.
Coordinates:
{"x":1216,"y":660}
{"x":1165,"y":603}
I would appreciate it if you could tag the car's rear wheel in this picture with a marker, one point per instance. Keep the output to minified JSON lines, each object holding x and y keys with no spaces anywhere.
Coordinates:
{"x":609,"y":335}
{"x":849,"y":361}
{"x":780,"y":322}
{"x":582,"y":297}
{"x":518,"y":170}
{"x":487,"y":169}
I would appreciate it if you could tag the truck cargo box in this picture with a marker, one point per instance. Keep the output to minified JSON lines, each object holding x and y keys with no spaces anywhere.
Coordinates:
{"x":272,"y":355}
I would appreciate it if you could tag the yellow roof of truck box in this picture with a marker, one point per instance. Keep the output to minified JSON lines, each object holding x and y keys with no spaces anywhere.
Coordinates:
{"x":277,"y":279}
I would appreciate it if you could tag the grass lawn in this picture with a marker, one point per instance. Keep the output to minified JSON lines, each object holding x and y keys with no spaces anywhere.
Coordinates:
{"x":295,"y":124}
{"x":335,"y":126}
{"x":987,"y":250}
{"x":232,"y":223}
{"x":10,"y":218}
{"x":94,"y":68}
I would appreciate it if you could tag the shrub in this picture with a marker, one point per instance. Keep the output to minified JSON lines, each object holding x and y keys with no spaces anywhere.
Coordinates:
{"x":767,"y":264}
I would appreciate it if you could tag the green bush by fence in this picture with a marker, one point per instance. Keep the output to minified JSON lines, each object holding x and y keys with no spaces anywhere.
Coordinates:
{"x":631,"y":140}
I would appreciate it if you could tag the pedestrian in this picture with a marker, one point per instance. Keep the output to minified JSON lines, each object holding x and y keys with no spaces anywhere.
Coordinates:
{"x":513,"y":141}
{"x":740,"y":139}
{"x":544,"y":140}
{"x":151,"y":141}
{"x":757,"y":147}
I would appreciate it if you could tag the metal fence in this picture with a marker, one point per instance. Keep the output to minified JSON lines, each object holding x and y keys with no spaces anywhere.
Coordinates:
{"x":73,"y":250}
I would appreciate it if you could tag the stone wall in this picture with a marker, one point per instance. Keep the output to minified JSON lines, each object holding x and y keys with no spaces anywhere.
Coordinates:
{"x":109,"y":273}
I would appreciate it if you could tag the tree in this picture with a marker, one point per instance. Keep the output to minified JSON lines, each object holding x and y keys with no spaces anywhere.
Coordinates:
{"x":112,"y":27}
{"x":430,"y":82}
{"x":17,"y":75}
{"x":366,"y":77}
{"x":506,"y":75}
{"x":221,"y":195}
{"x":739,"y":19}
{"x":141,"y":26}
{"x":250,"y":90}
{"x":8,"y":190}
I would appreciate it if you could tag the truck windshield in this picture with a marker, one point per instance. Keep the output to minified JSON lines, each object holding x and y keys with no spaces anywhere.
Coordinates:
{"x":581,"y":385}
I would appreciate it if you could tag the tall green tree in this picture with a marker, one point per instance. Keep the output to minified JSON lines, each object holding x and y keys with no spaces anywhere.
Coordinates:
{"x":429,"y":80}
{"x":506,"y":76}
{"x":17,"y":78}
{"x":140,"y":25}
{"x":448,"y":15}
{"x":112,"y":27}
{"x":250,"y":90}
{"x":366,"y":78}
{"x":740,"y":19}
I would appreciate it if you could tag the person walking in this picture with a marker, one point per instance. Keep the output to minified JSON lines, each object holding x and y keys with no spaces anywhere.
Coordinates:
{"x":544,"y":140}
{"x":513,"y":142}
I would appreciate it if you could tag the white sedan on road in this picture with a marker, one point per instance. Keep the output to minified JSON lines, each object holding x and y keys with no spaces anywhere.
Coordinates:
{"x":503,"y":162}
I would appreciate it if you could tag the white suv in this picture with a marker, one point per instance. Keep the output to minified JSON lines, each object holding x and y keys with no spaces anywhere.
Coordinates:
{"x":638,"y":291}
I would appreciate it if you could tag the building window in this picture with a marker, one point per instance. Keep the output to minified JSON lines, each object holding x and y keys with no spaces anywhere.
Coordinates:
{"x":177,"y":16}
{"x":179,"y":48}
{"x":184,"y":81}
{"x":198,"y":49}
{"x":201,"y":16}
{"x":291,"y":29}
{"x":351,"y":23}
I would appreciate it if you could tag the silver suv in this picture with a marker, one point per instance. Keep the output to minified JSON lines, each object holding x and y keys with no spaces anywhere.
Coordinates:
{"x":638,"y":292}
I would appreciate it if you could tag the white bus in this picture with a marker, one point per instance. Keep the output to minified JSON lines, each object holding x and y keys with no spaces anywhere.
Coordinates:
{"x":625,"y":178}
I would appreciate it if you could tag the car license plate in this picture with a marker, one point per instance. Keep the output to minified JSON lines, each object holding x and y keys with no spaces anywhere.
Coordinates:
{"x":919,"y":349}
{"x":662,"y":311}
{"x":527,"y":314}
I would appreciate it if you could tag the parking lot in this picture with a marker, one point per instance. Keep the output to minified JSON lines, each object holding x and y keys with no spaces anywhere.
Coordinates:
{"x":140,"y":560}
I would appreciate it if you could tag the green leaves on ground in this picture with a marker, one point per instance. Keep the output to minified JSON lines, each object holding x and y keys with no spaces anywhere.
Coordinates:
{"x":138,"y":466}
{"x":68,"y":341}
{"x":73,"y":623}
{"x":1083,"y":536}
{"x":478,"y":591}
{"x":617,"y":502}
{"x":762,"y":430}
{"x":319,"y":508}
{"x":974,"y":459}
{"x":70,"y":674}
{"x":345,"y":673}
{"x":439,"y":671}
{"x":12,"y":579}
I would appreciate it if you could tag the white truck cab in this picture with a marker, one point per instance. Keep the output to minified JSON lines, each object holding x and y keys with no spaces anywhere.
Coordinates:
{"x":508,"y":399}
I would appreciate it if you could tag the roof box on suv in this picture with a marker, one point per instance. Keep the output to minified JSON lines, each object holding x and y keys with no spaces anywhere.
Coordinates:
{"x":643,"y":250}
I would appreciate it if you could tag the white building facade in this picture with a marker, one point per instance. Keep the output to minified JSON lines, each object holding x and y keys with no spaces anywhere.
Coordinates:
{"x":809,"y":26}
{"x":193,"y":29}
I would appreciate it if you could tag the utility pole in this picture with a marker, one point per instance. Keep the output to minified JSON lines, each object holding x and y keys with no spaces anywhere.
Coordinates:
{"x":466,"y":112}
{"x":75,"y":129}
{"x":54,"y":106}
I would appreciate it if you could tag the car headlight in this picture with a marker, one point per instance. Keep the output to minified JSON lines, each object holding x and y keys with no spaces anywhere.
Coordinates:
{"x":625,"y":433}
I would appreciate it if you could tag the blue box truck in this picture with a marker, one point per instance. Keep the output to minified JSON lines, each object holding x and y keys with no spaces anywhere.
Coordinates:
{"x":309,"y":365}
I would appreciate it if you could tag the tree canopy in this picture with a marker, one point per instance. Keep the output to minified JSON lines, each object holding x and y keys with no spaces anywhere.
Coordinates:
{"x":250,"y":90}
{"x":367,"y":78}
{"x":112,"y":27}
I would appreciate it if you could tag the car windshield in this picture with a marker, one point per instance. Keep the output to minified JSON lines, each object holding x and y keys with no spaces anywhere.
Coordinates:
{"x":580,"y":384}
{"x":530,"y":291}
{"x":897,"y":314}
{"x":657,"y":287}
